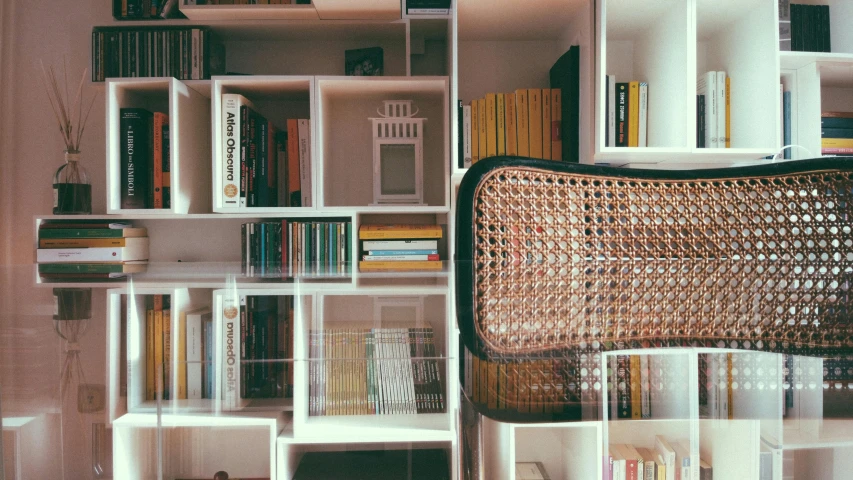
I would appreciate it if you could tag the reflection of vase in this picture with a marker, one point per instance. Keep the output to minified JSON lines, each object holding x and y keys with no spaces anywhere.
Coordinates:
{"x":72,"y":192}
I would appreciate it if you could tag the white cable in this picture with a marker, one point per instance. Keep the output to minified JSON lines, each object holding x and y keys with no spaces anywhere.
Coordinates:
{"x":776,"y":156}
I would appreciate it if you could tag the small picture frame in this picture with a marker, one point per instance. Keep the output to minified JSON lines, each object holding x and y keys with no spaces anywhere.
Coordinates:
{"x":364,"y":62}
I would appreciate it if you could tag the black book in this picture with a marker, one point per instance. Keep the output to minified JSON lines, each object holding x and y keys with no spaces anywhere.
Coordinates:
{"x":167,"y":168}
{"x":607,"y":111}
{"x":622,"y":114}
{"x":565,"y":75}
{"x":826,"y":43}
{"x":136,"y":132}
{"x":264,"y":197}
{"x":460,"y":138}
{"x":836,"y":132}
{"x":700,"y":121}
{"x":414,"y":464}
{"x":796,"y":28}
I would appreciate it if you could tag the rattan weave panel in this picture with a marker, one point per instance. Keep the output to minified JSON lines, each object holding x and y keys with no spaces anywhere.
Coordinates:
{"x":573,"y":260}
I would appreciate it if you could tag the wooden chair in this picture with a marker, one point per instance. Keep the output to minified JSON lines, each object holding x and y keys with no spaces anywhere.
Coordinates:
{"x":557,"y":263}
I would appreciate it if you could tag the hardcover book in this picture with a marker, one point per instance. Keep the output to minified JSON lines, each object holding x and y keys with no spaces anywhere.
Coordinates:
{"x":136,"y":137}
{"x":565,"y":75}
{"x":235,"y":108}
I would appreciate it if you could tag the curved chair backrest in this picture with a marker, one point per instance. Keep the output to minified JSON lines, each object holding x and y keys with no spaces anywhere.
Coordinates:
{"x":558,"y":260}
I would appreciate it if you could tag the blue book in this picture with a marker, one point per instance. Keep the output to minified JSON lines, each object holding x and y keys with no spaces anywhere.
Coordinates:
{"x":402,"y":252}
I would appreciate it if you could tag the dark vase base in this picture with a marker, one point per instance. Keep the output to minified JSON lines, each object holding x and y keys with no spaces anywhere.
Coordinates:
{"x":72,"y":199}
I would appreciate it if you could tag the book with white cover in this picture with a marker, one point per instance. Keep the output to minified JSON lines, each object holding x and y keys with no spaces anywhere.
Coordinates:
{"x":194,"y":322}
{"x":233,"y":183}
{"x":644,"y":115}
{"x":667,"y":454}
{"x":135,"y":248}
{"x":611,"y":110}
{"x":721,"y":109}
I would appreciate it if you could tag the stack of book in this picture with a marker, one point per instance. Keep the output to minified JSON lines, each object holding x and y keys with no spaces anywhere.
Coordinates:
{"x":666,"y":459}
{"x":400,"y":247}
{"x":90,"y":249}
{"x":836,"y":133}
{"x":374,"y":371}
{"x":158,"y":351}
{"x":290,"y":247}
{"x":145,"y":159}
{"x":263,"y":165}
{"x":144,"y":9}
{"x":713,"y":110}
{"x":627,"y":113}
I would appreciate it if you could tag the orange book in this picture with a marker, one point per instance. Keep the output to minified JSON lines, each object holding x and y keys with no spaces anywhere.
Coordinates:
{"x":399,"y":265}
{"x":491,"y":125}
{"x":294,"y":194}
{"x":500,"y":113}
{"x":534,"y":98}
{"x":556,"y":124}
{"x":158,"y":345}
{"x":522,"y":116}
{"x":475,"y":132}
{"x":157,"y":160}
{"x":634,"y":114}
{"x":511,"y":130}
{"x":398,"y":231}
{"x":546,"y":123}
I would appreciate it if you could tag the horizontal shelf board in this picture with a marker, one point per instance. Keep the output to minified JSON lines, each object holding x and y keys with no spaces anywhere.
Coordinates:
{"x":286,"y":437}
{"x":248,"y":215}
{"x":814,"y":433}
{"x":794,"y":60}
{"x":433,"y":426}
{"x":249,"y":12}
{"x":692,"y":158}
{"x":348,"y":85}
{"x":262,"y":421}
{"x":514,"y":20}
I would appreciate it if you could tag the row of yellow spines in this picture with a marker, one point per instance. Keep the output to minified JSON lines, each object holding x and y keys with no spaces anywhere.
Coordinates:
{"x":526,"y":123}
{"x":534,"y":386}
{"x":158,"y":344}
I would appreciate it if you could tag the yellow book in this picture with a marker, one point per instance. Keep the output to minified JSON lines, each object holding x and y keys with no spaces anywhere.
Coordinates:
{"x":81,"y":242}
{"x":493,"y":385}
{"x":546,"y":123}
{"x":556,"y":124}
{"x":636,"y":393}
{"x":633,"y":114}
{"x":523,"y":117}
{"x":399,"y":265}
{"x":511,"y":131}
{"x":475,"y":378}
{"x":729,"y":382}
{"x":475,"y":132}
{"x":491,"y":125}
{"x":500,"y":113}
{"x":181,"y":338}
{"x":534,"y":98}
{"x":484,"y":382}
{"x":836,"y":142}
{"x":481,"y":109}
{"x":167,"y":354}
{"x":728,"y":112}
{"x":158,"y":345}
{"x":150,"y":387}
{"x":398,"y":231}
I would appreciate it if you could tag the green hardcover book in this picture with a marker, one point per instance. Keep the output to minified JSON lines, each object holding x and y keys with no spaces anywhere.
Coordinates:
{"x":128,"y":267}
{"x":92,"y":232}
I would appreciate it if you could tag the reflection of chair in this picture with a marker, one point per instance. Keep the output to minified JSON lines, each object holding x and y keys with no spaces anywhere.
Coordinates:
{"x":557,"y":262}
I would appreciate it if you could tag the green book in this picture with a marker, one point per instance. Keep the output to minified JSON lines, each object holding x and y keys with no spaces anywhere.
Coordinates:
{"x":92,"y":232}
{"x":128,"y":267}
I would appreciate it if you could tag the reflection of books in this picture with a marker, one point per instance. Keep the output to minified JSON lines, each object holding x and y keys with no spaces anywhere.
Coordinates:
{"x":364,"y":62}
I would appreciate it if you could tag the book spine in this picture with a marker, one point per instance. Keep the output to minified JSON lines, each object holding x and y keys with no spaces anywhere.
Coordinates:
{"x":304,"y":127}
{"x":252,"y":144}
{"x":556,"y":124}
{"x":474,"y":132}
{"x":721,"y":109}
{"x":150,"y":363}
{"x":728,"y":112}
{"x":534,"y":98}
{"x":643,"y":115}
{"x":546,"y":123}
{"x":611,"y":111}
{"x":460,"y":135}
{"x":135,"y":166}
{"x":159,"y":377}
{"x":622,"y":119}
{"x":93,"y":254}
{"x":264,"y":175}
{"x":231,"y":347}
{"x":388,"y":258}
{"x":230,"y":170}
{"x":482,"y":129}
{"x":193,"y":336}
{"x":157,"y":161}
{"x":836,"y":142}
{"x":467,"y":146}
{"x":500,"y":116}
{"x":81,"y":242}
{"x":166,"y":148}
{"x":169,"y":379}
{"x":511,"y":124}
{"x":633,"y":113}
{"x":401,"y":252}
{"x":711,"y":105}
{"x":293,"y":176}
{"x":824,"y":132}
{"x":491,"y":125}
{"x":522,"y":121}
{"x":700,"y":121}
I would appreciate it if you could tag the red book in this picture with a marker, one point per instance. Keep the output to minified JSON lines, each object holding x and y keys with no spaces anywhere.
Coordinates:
{"x":160,"y":119}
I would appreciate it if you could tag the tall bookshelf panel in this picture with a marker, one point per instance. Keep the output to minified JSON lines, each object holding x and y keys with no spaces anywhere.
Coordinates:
{"x":189,"y":120}
{"x":739,"y":38}
{"x":345,"y":139}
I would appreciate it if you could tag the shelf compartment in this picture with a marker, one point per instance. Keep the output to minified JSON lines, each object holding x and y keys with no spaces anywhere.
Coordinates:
{"x":185,"y":446}
{"x":634,"y":48}
{"x":345,"y":141}
{"x":737,"y":37}
{"x":277,"y":98}
{"x":189,"y":120}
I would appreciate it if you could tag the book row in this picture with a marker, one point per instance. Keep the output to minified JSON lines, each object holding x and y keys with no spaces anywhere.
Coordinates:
{"x":627,"y":107}
{"x":67,"y":248}
{"x":186,"y":53}
{"x":836,"y":133}
{"x":378,"y":371}
{"x":145,"y":159}
{"x":804,"y":28}
{"x":400,"y":247}
{"x":296,"y":247}
{"x":524,"y":123}
{"x":263,"y":165}
{"x":144,"y":9}
{"x":713,"y":110}
{"x":629,"y":384}
{"x":666,"y":460}
{"x":257,"y":339}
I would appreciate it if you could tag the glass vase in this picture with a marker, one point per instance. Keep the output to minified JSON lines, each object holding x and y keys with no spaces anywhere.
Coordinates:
{"x":72,"y":192}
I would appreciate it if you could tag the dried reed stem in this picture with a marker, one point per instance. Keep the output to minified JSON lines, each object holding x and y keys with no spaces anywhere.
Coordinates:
{"x":63,"y":109}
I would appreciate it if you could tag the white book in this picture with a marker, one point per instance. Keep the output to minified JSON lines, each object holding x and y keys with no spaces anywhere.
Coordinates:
{"x":684,"y":461}
{"x":399,"y":244}
{"x":644,"y":115}
{"x":194,"y":322}
{"x":195,"y":74}
{"x":466,"y":135}
{"x":619,"y":467}
{"x":721,"y":109}
{"x":233,"y":306}
{"x":706,"y":85}
{"x":611,"y":110}
{"x":667,"y":454}
{"x":134,"y":249}
{"x":233,"y":182}
{"x":304,"y":129}
{"x":390,"y":258}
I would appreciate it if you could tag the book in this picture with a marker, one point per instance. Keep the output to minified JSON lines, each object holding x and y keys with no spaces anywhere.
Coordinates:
{"x":620,"y":467}
{"x":546,"y":123}
{"x":168,"y":352}
{"x":491,"y":125}
{"x":427,"y":7}
{"x":836,"y":142}
{"x":650,"y":464}
{"x":482,"y":135}
{"x":534,"y":107}
{"x":364,"y":62}
{"x":233,"y":171}
{"x":633,"y":113}
{"x":136,"y":140}
{"x":721,"y":109}
{"x":232,"y":304}
{"x":522,"y":111}
{"x":643,"y":115}
{"x":409,"y":256}
{"x":160,"y":381}
{"x":831,"y":132}
{"x":401,"y":245}
{"x":281,"y":167}
{"x":500,"y":121}
{"x":706,"y":472}
{"x":565,"y":75}
{"x":664,"y":449}
{"x":635,"y":386}
{"x":556,"y":124}
{"x":304,"y":129}
{"x":700,"y":121}
{"x":193,"y":322}
{"x":375,"y":265}
{"x":166,"y":147}
{"x":157,"y":159}
{"x":467,"y":146}
{"x":78,"y":224}
{"x":836,"y":114}
{"x":728,"y":103}
{"x":611,"y":111}
{"x":683,"y":461}
{"x":69,"y":233}
{"x":134,"y":249}
{"x":81,"y":242}
{"x":150,"y":370}
{"x":622,"y":117}
{"x":108,"y":269}
{"x":786,"y":124}
{"x":511,"y":124}
{"x":706,"y":85}
{"x":294,"y":190}
{"x":400,"y":252}
{"x":474,"y":132}
{"x":399,"y":231}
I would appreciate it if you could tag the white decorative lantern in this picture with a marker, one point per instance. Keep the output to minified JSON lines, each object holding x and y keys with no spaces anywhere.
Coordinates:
{"x":398,"y":155}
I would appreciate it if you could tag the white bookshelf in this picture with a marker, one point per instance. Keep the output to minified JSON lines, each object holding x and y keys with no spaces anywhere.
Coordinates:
{"x":317,"y":9}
